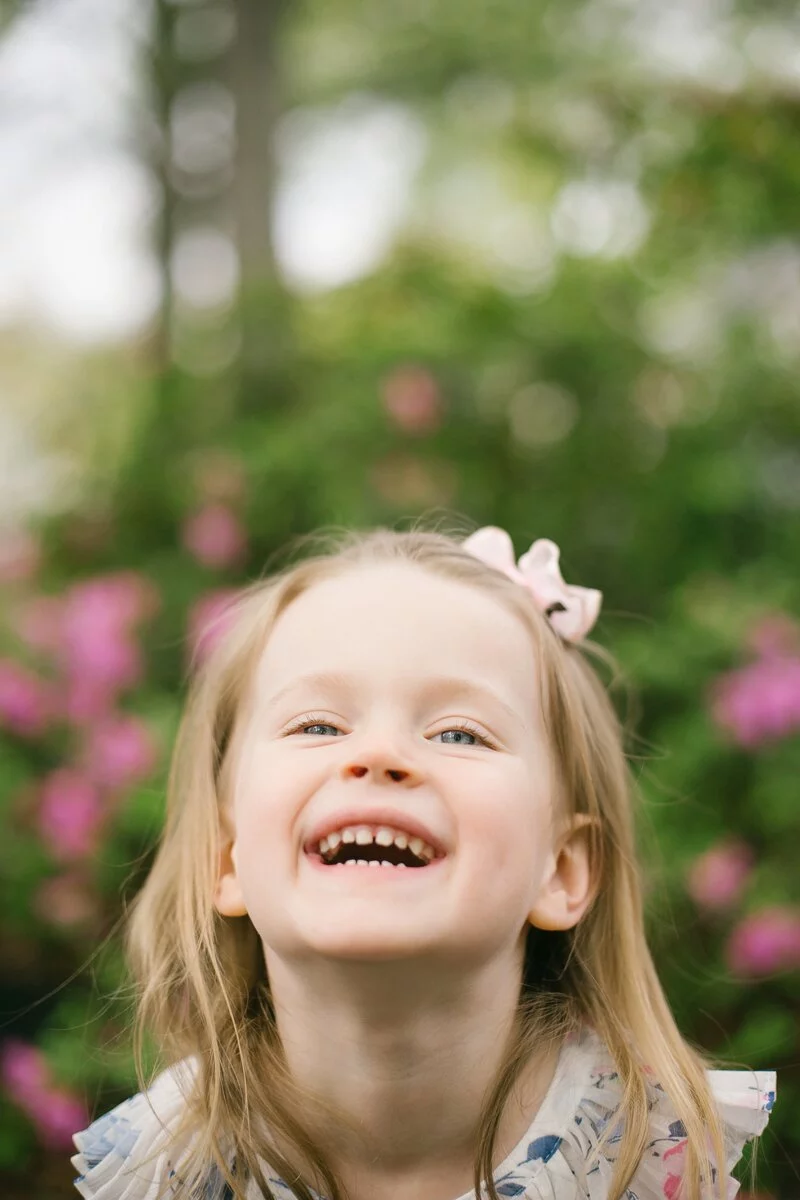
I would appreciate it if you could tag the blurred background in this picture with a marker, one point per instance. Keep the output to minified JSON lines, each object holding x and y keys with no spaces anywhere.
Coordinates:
{"x":268,"y":266}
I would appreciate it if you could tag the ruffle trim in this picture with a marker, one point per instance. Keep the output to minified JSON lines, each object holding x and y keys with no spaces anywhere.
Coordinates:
{"x":118,"y":1156}
{"x":552,"y":1166}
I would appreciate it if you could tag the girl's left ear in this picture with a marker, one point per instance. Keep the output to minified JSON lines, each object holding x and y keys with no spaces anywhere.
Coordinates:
{"x":228,"y":898}
{"x":568,"y":889}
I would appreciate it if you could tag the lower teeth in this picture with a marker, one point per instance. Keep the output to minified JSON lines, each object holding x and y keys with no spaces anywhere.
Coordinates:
{"x":363,"y":862}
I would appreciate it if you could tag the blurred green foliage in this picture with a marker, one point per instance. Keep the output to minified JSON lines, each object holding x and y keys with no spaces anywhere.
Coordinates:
{"x":639,"y":406}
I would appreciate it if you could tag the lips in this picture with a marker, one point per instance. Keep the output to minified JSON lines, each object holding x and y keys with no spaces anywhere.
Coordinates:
{"x":373,"y":817}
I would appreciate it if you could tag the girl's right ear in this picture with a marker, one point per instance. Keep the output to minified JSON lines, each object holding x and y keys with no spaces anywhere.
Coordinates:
{"x":228,"y":898}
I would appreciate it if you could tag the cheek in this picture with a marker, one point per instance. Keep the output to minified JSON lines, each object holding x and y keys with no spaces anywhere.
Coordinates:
{"x":270,"y":791}
{"x":259,"y":806}
{"x":505,"y":814}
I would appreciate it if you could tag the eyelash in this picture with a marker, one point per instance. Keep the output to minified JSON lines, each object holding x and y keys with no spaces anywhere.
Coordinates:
{"x":310,"y":719}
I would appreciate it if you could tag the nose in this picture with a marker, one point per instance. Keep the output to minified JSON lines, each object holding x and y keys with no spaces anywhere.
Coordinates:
{"x":359,"y":770}
{"x":382,"y":764}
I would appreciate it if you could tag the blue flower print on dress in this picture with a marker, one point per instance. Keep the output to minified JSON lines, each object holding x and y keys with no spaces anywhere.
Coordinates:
{"x":543,"y":1148}
{"x":129,"y":1153}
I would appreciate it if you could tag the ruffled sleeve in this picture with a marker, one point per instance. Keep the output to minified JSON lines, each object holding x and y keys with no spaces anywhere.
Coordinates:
{"x":585,"y":1097}
{"x":118,"y":1155}
{"x":744,"y":1099}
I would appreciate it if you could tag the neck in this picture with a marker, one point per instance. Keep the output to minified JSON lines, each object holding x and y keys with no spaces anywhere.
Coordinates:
{"x":402,"y":1060}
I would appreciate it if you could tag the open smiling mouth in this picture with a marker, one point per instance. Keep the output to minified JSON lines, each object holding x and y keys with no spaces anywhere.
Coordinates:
{"x":361,"y":846}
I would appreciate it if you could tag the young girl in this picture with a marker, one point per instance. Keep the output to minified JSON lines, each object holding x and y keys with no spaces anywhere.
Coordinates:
{"x":392,"y":946}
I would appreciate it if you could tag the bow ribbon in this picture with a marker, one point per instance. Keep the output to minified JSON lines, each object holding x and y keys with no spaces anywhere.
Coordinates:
{"x":572,"y":611}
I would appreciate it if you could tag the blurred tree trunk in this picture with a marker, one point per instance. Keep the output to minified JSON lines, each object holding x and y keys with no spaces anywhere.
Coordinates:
{"x":249,"y":66}
{"x":163,"y":83}
{"x":255,"y":82}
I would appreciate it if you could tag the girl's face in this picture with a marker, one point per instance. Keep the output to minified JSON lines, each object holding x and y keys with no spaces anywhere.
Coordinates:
{"x":390,"y":699}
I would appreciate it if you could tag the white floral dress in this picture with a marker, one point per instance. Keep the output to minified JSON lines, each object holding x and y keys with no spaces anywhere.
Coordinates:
{"x":118,"y":1155}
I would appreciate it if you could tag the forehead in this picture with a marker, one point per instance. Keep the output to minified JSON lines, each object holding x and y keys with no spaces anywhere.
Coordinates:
{"x":398,"y":621}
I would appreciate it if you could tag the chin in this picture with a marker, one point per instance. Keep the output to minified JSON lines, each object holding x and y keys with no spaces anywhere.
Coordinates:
{"x":370,"y":947}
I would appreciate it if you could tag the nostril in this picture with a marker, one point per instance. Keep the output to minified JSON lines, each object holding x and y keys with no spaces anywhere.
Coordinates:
{"x":359,"y":771}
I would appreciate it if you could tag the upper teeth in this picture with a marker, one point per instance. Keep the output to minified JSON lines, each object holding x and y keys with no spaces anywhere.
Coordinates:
{"x":363,"y":835}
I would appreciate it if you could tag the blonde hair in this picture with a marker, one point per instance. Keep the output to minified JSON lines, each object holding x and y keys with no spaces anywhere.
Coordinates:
{"x":202,"y":987}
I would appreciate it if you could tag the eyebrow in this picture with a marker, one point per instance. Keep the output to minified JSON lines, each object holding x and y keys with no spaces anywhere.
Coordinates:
{"x":430,"y":689}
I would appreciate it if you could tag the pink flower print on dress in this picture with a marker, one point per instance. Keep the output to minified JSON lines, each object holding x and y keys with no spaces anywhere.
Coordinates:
{"x":215,"y":537}
{"x":717,"y":878}
{"x":71,"y":814}
{"x":766,"y":942}
{"x":26,"y":701}
{"x":676,"y":1156}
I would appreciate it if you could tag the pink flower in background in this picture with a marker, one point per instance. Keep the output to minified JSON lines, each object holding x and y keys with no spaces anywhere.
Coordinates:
{"x":220,"y":476}
{"x":775,"y":634}
{"x":56,"y":1115}
{"x":215,"y":537}
{"x":119,"y":600}
{"x":717,"y":878}
{"x":87,"y":700}
{"x":39,"y":623}
{"x":89,"y":633}
{"x":20,"y":555}
{"x":760,"y":702}
{"x":55,"y":1112}
{"x":98,"y":652}
{"x":23,"y":1070}
{"x":66,"y":900}
{"x":26,"y":701}
{"x":70,"y":815}
{"x":119,"y":752}
{"x":412,"y":400}
{"x":765,"y":942}
{"x":209,"y":617}
{"x":402,"y":479}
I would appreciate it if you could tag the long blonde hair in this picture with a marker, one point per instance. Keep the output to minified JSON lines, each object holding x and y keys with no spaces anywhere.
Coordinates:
{"x":203,"y":993}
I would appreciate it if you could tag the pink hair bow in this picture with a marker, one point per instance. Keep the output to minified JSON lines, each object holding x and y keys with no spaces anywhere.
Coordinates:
{"x":572,"y":611}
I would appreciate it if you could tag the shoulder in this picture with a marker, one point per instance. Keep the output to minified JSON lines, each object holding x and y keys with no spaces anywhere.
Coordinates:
{"x":127,"y":1151}
{"x":585,"y":1097}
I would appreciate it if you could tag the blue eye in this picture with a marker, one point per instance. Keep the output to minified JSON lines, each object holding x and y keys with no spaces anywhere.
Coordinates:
{"x":464,"y":732}
{"x":463,"y":735}
{"x":312,"y":724}
{"x":316,"y":726}
{"x":460,"y":737}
